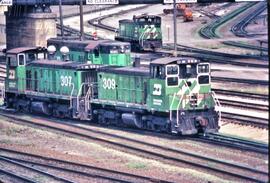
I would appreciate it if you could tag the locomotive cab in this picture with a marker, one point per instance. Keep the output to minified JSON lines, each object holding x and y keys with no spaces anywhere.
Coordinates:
{"x":109,"y":53}
{"x":181,"y":87}
{"x":16,"y":59}
{"x":143,"y":32}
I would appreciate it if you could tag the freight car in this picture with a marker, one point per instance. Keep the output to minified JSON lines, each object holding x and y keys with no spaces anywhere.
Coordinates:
{"x":94,"y":51}
{"x":143,"y":32}
{"x":172,"y":94}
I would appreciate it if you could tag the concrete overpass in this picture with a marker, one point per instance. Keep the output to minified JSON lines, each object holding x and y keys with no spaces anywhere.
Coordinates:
{"x":121,"y":2}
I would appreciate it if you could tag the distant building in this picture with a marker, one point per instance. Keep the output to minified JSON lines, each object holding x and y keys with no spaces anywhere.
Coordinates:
{"x":2,"y":25}
{"x":3,"y":9}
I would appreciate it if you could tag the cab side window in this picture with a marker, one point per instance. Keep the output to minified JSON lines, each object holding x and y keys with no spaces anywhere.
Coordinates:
{"x":21,"y":59}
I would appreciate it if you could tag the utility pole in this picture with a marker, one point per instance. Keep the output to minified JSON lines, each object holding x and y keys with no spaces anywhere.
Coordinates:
{"x":81,"y":21}
{"x":174,"y":28}
{"x":61,"y":19}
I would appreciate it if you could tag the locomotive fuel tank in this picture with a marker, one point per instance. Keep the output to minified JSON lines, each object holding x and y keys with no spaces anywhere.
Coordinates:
{"x":132,"y":120}
{"x":40,"y":107}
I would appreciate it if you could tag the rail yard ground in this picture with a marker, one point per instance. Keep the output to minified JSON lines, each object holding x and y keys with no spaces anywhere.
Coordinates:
{"x":48,"y":143}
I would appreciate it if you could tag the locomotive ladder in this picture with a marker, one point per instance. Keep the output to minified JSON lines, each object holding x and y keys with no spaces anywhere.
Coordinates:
{"x":83,"y":102}
{"x":217,"y":105}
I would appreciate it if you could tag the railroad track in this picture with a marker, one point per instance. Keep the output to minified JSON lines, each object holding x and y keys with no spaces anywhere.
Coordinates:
{"x":244,"y":105}
{"x":245,"y":120}
{"x":238,"y":80}
{"x":239,"y":28}
{"x":18,"y":171}
{"x":216,"y":57}
{"x":15,"y":176}
{"x":83,"y":170}
{"x":209,"y":31}
{"x":97,"y":22}
{"x":231,"y":141}
{"x":247,"y":95}
{"x":169,"y":155}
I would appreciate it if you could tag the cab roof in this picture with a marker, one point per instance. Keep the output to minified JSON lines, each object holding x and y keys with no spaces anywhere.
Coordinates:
{"x":59,"y":64}
{"x":21,"y":50}
{"x":174,"y":60}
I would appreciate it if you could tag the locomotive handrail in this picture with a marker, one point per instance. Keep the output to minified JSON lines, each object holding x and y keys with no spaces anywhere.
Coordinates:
{"x":71,"y":95}
{"x":79,"y":93}
{"x":171,"y":106}
{"x":87,"y":96}
{"x":177,"y":111}
{"x":217,"y":103}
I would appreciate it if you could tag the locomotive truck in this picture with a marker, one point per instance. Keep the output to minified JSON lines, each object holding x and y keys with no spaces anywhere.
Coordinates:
{"x":170,"y":95}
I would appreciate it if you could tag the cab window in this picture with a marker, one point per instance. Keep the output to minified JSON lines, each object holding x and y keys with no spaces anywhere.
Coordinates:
{"x":21,"y":59}
{"x":203,"y":68}
{"x":31,"y":57}
{"x":158,"y":72}
{"x":188,"y":71}
{"x":204,"y":79}
{"x":114,"y":50}
{"x":11,"y":61}
{"x":172,"y":69}
{"x":172,"y":81}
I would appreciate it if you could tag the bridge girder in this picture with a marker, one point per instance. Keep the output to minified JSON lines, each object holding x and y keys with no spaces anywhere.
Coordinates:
{"x":121,"y":2}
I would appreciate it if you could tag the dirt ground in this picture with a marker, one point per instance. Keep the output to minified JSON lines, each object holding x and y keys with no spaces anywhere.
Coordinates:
{"x":248,"y":132}
{"x":49,"y":144}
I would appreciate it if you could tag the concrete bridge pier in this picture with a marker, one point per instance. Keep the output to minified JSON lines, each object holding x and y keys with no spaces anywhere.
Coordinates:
{"x":29,"y":26}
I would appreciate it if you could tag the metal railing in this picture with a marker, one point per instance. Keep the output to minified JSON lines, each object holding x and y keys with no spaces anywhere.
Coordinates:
{"x":217,"y":104}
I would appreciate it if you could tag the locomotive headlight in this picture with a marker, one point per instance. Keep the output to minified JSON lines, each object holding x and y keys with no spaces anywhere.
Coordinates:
{"x":51,"y":49}
{"x":64,"y":50}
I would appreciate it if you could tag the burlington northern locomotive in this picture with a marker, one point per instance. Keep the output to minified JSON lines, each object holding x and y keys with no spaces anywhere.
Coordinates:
{"x":143,"y":32}
{"x":171,"y":95}
{"x":105,"y":52}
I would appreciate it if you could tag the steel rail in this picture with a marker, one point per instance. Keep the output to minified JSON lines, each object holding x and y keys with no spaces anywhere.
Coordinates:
{"x":98,"y":23}
{"x":241,"y":104}
{"x":69,"y":170}
{"x":84,"y":166}
{"x":14,"y":175}
{"x":230,"y":141}
{"x":209,"y":31}
{"x":238,"y":80}
{"x":242,"y":94}
{"x":153,"y":154}
{"x":239,"y":28}
{"x":245,"y":120}
{"x":35,"y":170}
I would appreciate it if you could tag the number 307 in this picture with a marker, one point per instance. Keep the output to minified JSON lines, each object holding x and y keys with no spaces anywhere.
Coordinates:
{"x":65,"y":80}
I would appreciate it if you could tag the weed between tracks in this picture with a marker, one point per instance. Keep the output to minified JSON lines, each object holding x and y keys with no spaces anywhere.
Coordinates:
{"x":39,"y":141}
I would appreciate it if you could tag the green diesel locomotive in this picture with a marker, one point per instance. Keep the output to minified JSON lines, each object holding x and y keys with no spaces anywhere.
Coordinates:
{"x":142,"y":32}
{"x":106,"y":52}
{"x":171,"y":94}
